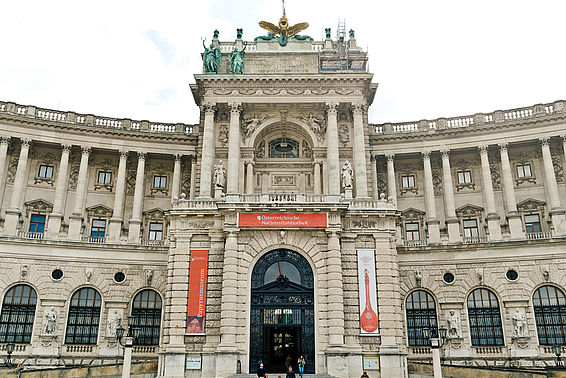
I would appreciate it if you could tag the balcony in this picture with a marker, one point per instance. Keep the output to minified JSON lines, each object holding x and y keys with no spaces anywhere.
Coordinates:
{"x":538,"y":235}
{"x":475,"y":240}
{"x":414,"y":243}
{"x":31,"y":235}
{"x":94,"y":239}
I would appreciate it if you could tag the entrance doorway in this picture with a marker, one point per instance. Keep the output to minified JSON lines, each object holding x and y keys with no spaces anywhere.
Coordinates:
{"x":282,"y":312}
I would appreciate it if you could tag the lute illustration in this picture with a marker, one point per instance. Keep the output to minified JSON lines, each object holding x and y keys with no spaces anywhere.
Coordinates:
{"x":368,"y":320}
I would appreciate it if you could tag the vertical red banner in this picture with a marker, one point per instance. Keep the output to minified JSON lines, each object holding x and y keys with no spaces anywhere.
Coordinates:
{"x":197,"y":291}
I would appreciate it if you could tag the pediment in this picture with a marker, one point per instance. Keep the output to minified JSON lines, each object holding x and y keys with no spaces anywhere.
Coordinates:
{"x":412,"y":213}
{"x":469,"y":210}
{"x":99,"y":211}
{"x":155,"y":213}
{"x":39,"y":205}
{"x":530,"y":204}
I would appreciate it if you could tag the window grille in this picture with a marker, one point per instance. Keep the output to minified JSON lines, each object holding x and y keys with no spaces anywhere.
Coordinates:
{"x":84,"y":317}
{"x":146,"y":310}
{"x":18,"y":312}
{"x":421,"y":313}
{"x":550,"y":315}
{"x":485,"y":318}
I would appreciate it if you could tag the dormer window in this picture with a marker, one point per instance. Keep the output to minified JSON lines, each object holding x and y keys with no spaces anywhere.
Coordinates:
{"x":283,"y":148}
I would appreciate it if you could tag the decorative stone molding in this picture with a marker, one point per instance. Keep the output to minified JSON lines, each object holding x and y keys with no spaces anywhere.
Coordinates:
{"x":316,"y":124}
{"x":99,"y":211}
{"x":531,"y":205}
{"x":469,"y":211}
{"x":223,"y":134}
{"x":40,"y":206}
{"x":249,"y":125}
{"x":344,"y":135}
{"x":437,"y":182}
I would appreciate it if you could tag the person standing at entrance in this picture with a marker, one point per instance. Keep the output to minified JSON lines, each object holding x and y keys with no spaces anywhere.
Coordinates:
{"x":290,"y":373}
{"x":261,"y":371}
{"x":301,"y":362}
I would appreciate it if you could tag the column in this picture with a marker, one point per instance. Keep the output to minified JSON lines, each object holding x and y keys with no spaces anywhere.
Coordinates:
{"x":207,"y":151}
{"x":391,"y":185}
{"x":176,"y":183}
{"x":14,"y":211}
{"x":360,"y":175}
{"x":452,"y":222}
{"x":492,"y":217}
{"x":317,"y":183}
{"x":432,"y":222}
{"x":76,"y":219}
{"x":557,"y":213}
{"x":115,"y":223}
{"x":135,"y":221}
{"x":233,"y":169}
{"x":335,"y":293}
{"x":227,"y":351}
{"x":374,"y":192}
{"x":513,"y":217}
{"x":193,"y":176}
{"x":56,"y":216}
{"x":249,"y":177}
{"x":332,"y":153}
{"x":4,"y":142}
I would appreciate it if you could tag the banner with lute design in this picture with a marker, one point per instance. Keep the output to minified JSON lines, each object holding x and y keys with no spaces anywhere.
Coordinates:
{"x":368,"y":291}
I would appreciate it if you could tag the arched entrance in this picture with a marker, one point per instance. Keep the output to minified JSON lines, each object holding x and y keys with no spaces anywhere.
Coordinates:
{"x":282,"y":312}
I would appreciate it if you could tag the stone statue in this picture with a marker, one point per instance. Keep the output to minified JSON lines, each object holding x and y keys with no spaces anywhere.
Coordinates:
{"x":316,"y":125}
{"x":50,"y":321}
{"x":347,"y":174}
{"x":219,"y":175}
{"x":211,"y":58}
{"x":327,"y":31}
{"x":250,"y":125}
{"x":520,"y":323}
{"x":454,"y":325}
{"x":148,"y":277}
{"x":114,"y":320}
{"x":237,"y":60}
{"x":418,"y":275}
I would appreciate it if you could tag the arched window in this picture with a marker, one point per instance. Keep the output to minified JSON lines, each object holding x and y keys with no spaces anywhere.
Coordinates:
{"x":283,"y":148}
{"x":421,"y":313}
{"x":84,"y":317}
{"x":550,"y":315}
{"x":485,"y":318}
{"x":146,"y":310}
{"x":18,"y":312}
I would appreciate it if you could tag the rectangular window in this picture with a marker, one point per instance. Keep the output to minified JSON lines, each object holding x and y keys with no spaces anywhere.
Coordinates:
{"x":98,"y":228}
{"x":524,"y":170}
{"x":412,"y":231}
{"x":532,"y":223}
{"x":104,"y":177}
{"x":408,"y":181}
{"x":159,"y":182}
{"x":464,"y":177}
{"x":37,"y":223}
{"x":156,"y":231}
{"x":45,"y":171}
{"x":471,"y":228}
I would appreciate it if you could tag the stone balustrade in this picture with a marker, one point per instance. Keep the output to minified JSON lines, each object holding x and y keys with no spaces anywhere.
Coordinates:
{"x":28,"y":111}
{"x":498,"y":116}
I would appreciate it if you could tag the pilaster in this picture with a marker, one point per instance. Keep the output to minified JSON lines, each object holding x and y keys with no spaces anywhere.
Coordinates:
{"x":135,"y":221}
{"x":452,"y":222}
{"x":360,"y":175}
{"x":115,"y":223}
{"x":207,"y":159}
{"x":233,"y":152}
{"x":432,"y":222}
{"x":14,"y":211}
{"x":4,"y":143}
{"x":332,"y":152}
{"x":557,"y":213}
{"x":492,"y":217}
{"x":76,"y":219}
{"x":176,"y":182}
{"x":513,"y":217}
{"x":56,"y":216}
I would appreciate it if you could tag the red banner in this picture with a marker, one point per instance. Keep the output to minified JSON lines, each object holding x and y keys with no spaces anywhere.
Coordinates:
{"x":282,"y":220}
{"x":197,"y":291}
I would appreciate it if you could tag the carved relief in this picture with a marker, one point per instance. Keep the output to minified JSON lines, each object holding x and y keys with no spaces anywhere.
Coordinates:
{"x":38,"y":206}
{"x":519,"y":324}
{"x":495,"y":177}
{"x":454,"y":325}
{"x":363,"y":223}
{"x":131,"y":183}
{"x":114,"y":321}
{"x":316,"y":124}
{"x":437,"y":182}
{"x":283,"y":180}
{"x":99,"y":211}
{"x":250,"y":124}
{"x":344,"y":135}
{"x":197,"y":224}
{"x":49,"y":322}
{"x":558,"y":171}
{"x":148,"y":277}
{"x":12,"y":168}
{"x":260,"y":150}
{"x":74,"y":176}
{"x":223,"y":134}
{"x":307,"y":150}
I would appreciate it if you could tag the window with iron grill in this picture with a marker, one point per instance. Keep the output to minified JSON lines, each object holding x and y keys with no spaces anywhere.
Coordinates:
{"x":84,"y":317}
{"x":421,"y":313}
{"x":550,"y":315}
{"x":146,"y":310}
{"x":18,"y":312}
{"x":485,"y":318}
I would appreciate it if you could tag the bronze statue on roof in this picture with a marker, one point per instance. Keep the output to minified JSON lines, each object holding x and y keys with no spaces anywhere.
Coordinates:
{"x":283,"y":30}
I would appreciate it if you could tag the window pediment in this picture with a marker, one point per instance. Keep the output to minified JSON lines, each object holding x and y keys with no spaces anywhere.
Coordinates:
{"x":530,"y":204}
{"x":469,"y":210}
{"x":39,"y":205}
{"x":99,"y":211}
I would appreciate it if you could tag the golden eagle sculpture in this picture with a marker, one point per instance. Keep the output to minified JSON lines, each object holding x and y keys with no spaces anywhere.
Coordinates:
{"x":283,"y":30}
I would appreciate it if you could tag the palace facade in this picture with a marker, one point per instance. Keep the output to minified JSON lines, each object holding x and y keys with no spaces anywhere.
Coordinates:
{"x":283,"y":223}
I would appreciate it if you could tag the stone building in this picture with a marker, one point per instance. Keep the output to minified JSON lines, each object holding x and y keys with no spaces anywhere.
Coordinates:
{"x":312,"y":223}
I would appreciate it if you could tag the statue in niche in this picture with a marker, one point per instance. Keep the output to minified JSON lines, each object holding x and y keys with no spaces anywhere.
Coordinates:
{"x":237,"y":60}
{"x":418,"y":273}
{"x":454,"y":325}
{"x":49,"y":321}
{"x":519,"y":323}
{"x":347,"y":174}
{"x":211,"y":58}
{"x":316,"y":125}
{"x":219,"y":175}
{"x":114,"y":321}
{"x":250,"y":125}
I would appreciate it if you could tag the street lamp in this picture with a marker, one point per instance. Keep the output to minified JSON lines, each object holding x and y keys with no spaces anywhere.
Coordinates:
{"x":558,"y":352}
{"x":131,"y":336}
{"x":9,"y":349}
{"x":436,"y":337}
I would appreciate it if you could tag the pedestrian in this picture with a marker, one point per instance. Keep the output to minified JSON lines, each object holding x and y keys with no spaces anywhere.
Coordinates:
{"x":290,"y":373}
{"x":288,"y":361}
{"x":261,"y":371}
{"x":365,"y":375}
{"x":301,"y":362}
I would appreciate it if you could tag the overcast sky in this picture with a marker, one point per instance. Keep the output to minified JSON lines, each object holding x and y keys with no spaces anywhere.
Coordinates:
{"x":136,"y":59}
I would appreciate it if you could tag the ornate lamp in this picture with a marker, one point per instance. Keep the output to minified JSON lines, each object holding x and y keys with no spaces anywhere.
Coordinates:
{"x":120,"y":333}
{"x":558,"y":352}
{"x":442,"y":333}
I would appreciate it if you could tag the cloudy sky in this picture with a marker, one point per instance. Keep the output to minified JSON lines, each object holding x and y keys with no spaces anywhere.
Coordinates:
{"x":136,"y":59}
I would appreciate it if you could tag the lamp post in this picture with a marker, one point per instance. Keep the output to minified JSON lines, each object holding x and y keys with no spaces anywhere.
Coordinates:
{"x":9,"y":349}
{"x":131,"y":336}
{"x":436,"y":336}
{"x":558,"y":352}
